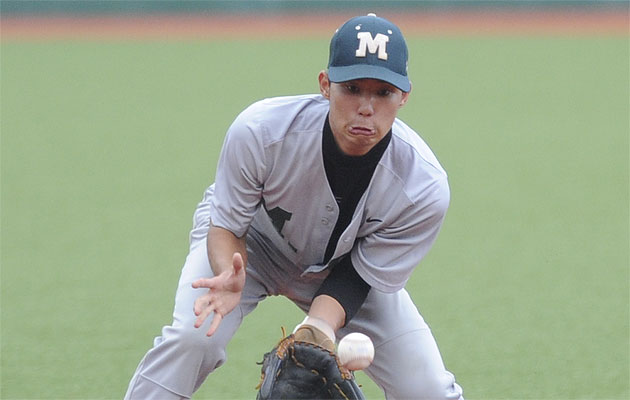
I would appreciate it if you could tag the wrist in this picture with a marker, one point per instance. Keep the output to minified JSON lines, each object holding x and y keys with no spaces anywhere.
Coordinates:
{"x":320,"y":324}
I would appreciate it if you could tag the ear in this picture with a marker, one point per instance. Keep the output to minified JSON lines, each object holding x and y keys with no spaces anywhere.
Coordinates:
{"x":405,"y":97}
{"x":324,"y":84}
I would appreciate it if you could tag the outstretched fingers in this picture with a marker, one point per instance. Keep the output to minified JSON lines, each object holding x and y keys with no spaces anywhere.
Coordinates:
{"x":222,"y":296}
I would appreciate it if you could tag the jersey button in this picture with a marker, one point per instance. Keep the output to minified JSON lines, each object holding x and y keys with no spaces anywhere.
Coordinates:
{"x":325,"y":221}
{"x":329,"y":208}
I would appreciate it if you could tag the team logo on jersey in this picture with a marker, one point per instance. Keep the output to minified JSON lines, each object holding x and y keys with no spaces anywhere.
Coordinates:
{"x":373,"y":45}
{"x":278,"y":218}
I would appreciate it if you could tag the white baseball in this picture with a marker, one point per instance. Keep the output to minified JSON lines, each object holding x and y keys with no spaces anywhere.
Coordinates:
{"x":355,"y":351}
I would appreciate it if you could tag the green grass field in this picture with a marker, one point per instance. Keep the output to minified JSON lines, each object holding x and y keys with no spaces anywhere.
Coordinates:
{"x":108,"y":146}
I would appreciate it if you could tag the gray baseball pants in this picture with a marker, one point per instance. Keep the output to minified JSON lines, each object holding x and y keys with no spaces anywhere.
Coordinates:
{"x":407,"y":362}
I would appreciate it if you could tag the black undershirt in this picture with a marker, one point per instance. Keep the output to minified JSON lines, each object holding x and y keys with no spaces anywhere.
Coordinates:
{"x":348,"y":177}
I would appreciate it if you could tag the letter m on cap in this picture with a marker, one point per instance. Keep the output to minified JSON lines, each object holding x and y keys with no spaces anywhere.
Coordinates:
{"x":372,"y":44}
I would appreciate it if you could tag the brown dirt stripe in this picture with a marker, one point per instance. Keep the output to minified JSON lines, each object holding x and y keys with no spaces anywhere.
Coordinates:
{"x":185,"y":27}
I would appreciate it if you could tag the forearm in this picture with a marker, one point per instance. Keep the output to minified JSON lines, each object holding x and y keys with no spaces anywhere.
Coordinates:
{"x":329,"y":310}
{"x":221,"y":246}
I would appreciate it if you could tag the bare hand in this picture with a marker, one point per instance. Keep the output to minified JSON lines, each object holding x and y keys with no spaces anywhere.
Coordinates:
{"x":224,"y":294}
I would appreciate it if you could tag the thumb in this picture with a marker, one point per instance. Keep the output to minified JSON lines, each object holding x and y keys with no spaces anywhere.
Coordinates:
{"x":237,"y":262}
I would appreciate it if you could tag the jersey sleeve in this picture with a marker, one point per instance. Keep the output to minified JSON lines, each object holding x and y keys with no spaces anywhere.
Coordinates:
{"x":346,"y":286}
{"x":386,"y":257}
{"x":239,"y":176}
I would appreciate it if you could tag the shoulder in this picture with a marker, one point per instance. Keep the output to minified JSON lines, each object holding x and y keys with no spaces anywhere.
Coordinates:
{"x":269,"y":128}
{"x":412,"y":150}
{"x":283,"y":113}
{"x":410,"y":165}
{"x":270,"y":120}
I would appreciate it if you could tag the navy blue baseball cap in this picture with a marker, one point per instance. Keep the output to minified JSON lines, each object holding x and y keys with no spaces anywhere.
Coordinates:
{"x":369,"y":47}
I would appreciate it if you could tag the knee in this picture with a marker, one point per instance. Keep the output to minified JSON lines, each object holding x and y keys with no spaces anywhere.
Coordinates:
{"x":192,"y":339}
{"x":193,"y":342}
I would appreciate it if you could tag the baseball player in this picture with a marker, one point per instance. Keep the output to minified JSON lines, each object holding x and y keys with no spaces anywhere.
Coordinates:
{"x":329,"y":200}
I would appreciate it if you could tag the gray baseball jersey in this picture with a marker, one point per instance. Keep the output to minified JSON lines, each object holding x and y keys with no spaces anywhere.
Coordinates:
{"x":271,"y":178}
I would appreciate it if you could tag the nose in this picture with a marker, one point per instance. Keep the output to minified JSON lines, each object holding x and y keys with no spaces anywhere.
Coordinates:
{"x":366,"y":106}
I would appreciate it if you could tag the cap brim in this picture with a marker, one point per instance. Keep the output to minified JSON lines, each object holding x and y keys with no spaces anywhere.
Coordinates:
{"x":348,"y":73}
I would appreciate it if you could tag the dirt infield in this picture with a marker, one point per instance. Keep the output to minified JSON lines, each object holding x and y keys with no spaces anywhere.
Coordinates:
{"x":186,"y":27}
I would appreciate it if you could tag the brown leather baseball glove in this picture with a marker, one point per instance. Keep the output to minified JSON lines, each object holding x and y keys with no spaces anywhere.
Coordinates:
{"x":304,"y":366}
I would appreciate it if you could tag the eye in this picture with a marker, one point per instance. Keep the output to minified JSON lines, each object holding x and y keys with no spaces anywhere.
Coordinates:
{"x":385,"y":92}
{"x":353,"y":89}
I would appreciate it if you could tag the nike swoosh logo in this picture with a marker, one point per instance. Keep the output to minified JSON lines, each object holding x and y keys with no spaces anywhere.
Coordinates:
{"x":369,"y":220}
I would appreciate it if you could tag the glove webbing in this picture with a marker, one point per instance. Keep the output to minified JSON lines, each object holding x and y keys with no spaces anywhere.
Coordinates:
{"x":283,"y":347}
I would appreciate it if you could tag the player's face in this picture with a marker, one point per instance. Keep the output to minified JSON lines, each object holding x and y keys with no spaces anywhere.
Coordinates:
{"x":362,"y":111}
